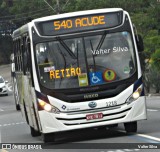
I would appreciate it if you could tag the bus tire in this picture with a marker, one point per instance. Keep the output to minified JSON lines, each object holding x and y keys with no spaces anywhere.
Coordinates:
{"x":48,"y":137}
{"x":34,"y":132}
{"x":16,"y":98}
{"x":18,"y":107}
{"x":131,"y":127}
{"x":25,"y":112}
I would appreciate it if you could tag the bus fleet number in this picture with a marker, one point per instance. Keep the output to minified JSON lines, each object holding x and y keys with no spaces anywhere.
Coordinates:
{"x":111,"y":103}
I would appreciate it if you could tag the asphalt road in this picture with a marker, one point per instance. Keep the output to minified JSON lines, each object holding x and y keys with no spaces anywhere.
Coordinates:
{"x":13,"y":129}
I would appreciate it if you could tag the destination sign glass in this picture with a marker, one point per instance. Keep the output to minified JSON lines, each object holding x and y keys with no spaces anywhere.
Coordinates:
{"x":79,"y":24}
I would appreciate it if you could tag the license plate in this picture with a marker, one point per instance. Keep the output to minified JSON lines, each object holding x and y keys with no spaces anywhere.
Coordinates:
{"x":94,"y":116}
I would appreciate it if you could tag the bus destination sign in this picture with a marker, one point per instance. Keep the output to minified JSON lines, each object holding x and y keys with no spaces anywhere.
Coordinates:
{"x":79,"y":24}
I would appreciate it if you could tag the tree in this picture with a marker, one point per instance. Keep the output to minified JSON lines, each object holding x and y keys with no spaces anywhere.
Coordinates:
{"x":156,"y":59}
{"x":144,"y":14}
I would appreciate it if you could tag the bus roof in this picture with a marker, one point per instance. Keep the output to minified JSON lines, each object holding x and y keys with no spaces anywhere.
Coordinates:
{"x":21,"y":30}
{"x":78,"y":13}
{"x":24,"y":28}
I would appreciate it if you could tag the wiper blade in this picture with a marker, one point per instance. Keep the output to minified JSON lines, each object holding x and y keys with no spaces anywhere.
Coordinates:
{"x":101,"y":41}
{"x":77,"y":56}
{"x":98,"y":47}
{"x":94,"y":62}
{"x":65,"y":63}
{"x":66,"y":47}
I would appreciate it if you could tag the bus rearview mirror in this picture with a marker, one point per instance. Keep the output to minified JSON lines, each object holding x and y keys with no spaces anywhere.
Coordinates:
{"x":139,"y":41}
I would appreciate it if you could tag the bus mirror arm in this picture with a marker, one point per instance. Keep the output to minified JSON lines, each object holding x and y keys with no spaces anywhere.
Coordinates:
{"x":139,"y":41}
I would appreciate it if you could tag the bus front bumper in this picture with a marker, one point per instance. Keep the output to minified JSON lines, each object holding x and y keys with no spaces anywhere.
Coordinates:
{"x":51,"y":122}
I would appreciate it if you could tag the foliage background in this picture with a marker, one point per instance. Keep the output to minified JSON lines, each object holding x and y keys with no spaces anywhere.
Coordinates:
{"x":145,"y":14}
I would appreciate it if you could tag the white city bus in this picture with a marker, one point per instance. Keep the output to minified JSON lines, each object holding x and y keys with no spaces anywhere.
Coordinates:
{"x":79,"y":70}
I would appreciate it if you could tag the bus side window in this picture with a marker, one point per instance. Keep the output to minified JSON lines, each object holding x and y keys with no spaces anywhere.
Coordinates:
{"x":26,"y":55}
{"x":21,"y":54}
{"x":17,"y":47}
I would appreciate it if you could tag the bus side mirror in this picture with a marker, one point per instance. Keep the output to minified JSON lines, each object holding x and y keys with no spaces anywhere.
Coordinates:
{"x":139,"y":41}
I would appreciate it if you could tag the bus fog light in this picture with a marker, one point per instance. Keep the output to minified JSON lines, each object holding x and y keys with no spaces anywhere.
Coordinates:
{"x":55,"y":110}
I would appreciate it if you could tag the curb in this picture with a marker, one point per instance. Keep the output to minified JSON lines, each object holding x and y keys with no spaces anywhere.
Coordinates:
{"x":5,"y":66}
{"x":153,"y":95}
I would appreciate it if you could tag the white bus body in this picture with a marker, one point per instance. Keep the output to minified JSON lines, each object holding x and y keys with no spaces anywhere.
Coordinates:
{"x":104,"y":97}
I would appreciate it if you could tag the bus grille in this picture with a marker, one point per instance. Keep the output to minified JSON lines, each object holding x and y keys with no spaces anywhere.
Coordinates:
{"x":106,"y":117}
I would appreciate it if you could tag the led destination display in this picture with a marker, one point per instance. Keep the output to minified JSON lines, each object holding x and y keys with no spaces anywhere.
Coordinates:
{"x":79,"y":24}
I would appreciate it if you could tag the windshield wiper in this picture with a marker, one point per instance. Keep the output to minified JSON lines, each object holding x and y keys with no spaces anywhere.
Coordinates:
{"x":94,"y":62}
{"x":77,"y":56}
{"x":66,"y":47}
{"x":65,"y":63}
{"x":101,"y":41}
{"x":98,"y":47}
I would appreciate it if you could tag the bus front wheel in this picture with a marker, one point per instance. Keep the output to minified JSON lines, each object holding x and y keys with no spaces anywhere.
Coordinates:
{"x":18,"y":107}
{"x":34,"y":132}
{"x":131,"y":127}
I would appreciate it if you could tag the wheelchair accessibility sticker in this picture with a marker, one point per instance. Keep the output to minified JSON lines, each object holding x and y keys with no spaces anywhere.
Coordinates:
{"x":95,"y":78}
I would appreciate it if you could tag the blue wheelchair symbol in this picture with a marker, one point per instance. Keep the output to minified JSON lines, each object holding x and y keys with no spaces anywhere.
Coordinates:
{"x":95,"y":78}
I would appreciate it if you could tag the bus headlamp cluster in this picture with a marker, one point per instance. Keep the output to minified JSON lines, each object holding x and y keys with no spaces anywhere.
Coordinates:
{"x":47,"y":107}
{"x":135,"y":94}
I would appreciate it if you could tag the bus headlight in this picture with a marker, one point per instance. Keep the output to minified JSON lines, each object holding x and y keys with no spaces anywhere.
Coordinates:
{"x":47,"y":107}
{"x":135,"y":94}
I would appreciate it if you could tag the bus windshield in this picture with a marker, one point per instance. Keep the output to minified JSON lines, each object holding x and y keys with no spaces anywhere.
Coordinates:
{"x":85,"y":61}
